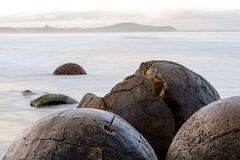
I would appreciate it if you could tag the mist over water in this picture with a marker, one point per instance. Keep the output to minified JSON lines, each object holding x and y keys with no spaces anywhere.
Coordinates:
{"x":27,"y":61}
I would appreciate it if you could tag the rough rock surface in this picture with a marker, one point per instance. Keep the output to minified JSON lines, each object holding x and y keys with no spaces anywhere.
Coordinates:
{"x":81,"y":134}
{"x":183,"y":90}
{"x":90,"y":100}
{"x":211,"y":133}
{"x":69,"y":69}
{"x":135,"y":101}
{"x":52,"y":99}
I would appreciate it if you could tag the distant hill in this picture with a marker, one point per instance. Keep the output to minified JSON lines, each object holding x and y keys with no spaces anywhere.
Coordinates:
{"x":121,"y":27}
{"x":131,"y":27}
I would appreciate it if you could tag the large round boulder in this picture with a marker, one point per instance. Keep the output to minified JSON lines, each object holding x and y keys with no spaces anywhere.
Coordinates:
{"x":69,"y":69}
{"x":134,"y":100}
{"x":86,"y":134}
{"x":183,"y":90}
{"x":211,"y":133}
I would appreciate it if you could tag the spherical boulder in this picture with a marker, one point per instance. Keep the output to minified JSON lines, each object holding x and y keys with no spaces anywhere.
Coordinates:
{"x":135,"y":100}
{"x":76,"y":134}
{"x":69,"y":69}
{"x":183,"y":90}
{"x":211,"y":133}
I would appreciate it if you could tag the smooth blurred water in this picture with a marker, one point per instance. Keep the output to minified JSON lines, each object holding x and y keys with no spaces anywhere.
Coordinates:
{"x":28,"y":60}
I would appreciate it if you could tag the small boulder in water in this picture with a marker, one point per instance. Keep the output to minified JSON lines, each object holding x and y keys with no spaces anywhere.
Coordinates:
{"x":69,"y":69}
{"x":27,"y":93}
{"x":52,"y":99}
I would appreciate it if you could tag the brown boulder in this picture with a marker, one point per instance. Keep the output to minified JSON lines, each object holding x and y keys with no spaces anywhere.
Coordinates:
{"x":135,"y":100}
{"x":86,"y":134}
{"x":183,"y":90}
{"x":90,"y":100}
{"x":211,"y":133}
{"x":69,"y":69}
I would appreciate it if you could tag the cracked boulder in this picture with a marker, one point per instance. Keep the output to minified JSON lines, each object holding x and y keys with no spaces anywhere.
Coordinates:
{"x":52,"y":99}
{"x":211,"y":133}
{"x":183,"y":90}
{"x":86,"y":134}
{"x":135,"y":101}
{"x":69,"y":69}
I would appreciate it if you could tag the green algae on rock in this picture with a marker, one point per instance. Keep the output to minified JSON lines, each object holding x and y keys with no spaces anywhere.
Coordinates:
{"x":52,"y":99}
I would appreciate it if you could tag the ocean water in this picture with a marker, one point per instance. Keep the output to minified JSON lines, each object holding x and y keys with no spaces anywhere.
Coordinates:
{"x":27,"y":61}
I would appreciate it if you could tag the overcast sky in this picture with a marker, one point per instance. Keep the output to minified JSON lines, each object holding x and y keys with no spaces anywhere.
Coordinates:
{"x":182,"y":14}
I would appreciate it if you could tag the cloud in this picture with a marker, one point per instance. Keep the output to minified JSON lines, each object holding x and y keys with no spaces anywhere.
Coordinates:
{"x":181,"y":19}
{"x":205,"y":19}
{"x":67,"y":16}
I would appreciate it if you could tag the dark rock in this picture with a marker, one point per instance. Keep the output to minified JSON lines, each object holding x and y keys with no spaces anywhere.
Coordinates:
{"x":52,"y":99}
{"x":183,"y":90}
{"x":135,"y":100}
{"x":69,"y":69}
{"x":81,"y":134}
{"x":27,"y":93}
{"x":211,"y":133}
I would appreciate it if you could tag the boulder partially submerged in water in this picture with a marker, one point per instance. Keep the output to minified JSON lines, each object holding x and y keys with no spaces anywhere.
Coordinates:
{"x":183,"y":90}
{"x":69,"y":69}
{"x":27,"y":93}
{"x":134,"y":100}
{"x":52,"y":99}
{"x":211,"y":133}
{"x":86,"y":134}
